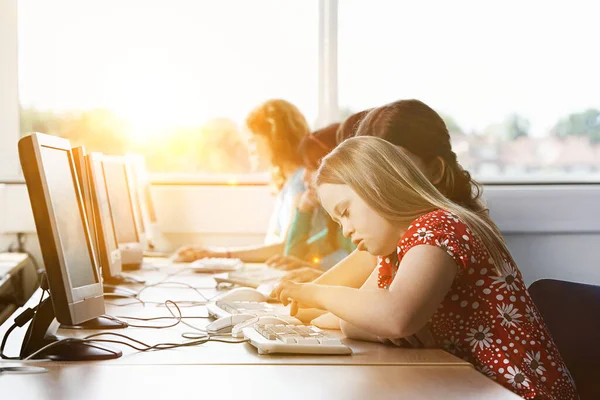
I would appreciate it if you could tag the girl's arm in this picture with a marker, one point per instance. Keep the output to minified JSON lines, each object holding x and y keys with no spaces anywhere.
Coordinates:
{"x":352,"y":271}
{"x":354,"y":332}
{"x":424,"y":277}
{"x":253,"y":253}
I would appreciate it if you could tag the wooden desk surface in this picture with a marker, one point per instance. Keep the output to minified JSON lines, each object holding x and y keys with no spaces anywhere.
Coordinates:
{"x":95,"y":381}
{"x":214,"y":353}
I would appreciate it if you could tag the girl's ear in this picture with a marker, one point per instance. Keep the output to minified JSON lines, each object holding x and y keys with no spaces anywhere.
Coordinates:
{"x":436,"y":168}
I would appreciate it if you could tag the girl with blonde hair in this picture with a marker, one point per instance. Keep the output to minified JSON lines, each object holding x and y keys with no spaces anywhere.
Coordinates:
{"x":441,"y":264}
{"x":277,"y":127}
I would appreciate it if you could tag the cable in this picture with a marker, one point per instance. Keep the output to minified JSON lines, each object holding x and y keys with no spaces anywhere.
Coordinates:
{"x":186,"y":323}
{"x":46,"y":347}
{"x":177,"y":317}
{"x":89,"y":339}
{"x":4,"y":339}
{"x":172,"y":283}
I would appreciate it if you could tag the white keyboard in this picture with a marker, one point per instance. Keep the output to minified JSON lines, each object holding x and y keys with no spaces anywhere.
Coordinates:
{"x":256,"y":308}
{"x":212,"y":265}
{"x":299,"y":339}
{"x":250,"y":277}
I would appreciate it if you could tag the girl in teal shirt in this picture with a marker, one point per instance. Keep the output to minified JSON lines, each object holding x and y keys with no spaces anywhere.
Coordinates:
{"x":314,"y":240}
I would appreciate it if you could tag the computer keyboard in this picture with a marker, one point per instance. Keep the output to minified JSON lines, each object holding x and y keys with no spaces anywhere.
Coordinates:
{"x":215,"y":264}
{"x":259,"y":309}
{"x":251,"y":277}
{"x":280,"y":338}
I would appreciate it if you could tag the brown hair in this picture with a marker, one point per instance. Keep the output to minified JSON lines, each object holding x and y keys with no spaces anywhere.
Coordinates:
{"x":312,"y":149}
{"x":347,"y":129}
{"x":416,"y":127}
{"x":317,"y":145}
{"x":284,"y":126}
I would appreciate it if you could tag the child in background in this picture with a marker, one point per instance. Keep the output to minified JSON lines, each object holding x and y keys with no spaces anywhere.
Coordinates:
{"x":315,"y":242}
{"x":277,"y":128}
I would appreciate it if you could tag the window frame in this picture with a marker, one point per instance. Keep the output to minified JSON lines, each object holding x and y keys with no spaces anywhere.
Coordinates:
{"x":328,"y":109}
{"x":10,"y":171}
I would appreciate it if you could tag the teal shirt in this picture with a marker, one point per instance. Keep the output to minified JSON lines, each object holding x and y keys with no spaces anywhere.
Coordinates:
{"x":308,"y":239}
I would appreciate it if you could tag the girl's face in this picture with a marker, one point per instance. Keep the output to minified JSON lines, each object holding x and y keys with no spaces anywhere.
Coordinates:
{"x":260,"y":151}
{"x":363,"y":225}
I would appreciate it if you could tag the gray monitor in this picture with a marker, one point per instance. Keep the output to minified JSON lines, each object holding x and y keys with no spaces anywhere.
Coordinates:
{"x":108,"y":248}
{"x":61,"y":224}
{"x":122,"y":208}
{"x":73,"y":279}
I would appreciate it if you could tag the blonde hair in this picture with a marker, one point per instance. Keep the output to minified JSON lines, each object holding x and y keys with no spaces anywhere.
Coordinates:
{"x":284,"y":126}
{"x":387,"y":179}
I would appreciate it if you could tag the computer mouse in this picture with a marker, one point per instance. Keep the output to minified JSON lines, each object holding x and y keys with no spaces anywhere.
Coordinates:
{"x":237,"y":330}
{"x":225,"y":324}
{"x":242,"y":294}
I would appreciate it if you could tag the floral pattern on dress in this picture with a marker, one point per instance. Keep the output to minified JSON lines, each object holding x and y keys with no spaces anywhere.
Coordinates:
{"x":486,"y":319}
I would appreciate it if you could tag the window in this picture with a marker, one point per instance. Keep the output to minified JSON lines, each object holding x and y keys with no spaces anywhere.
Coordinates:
{"x":171,"y":79}
{"x":517,"y":82}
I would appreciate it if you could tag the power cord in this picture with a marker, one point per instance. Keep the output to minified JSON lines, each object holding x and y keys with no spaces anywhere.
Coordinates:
{"x":28,"y":315}
{"x":196,"y":339}
{"x":89,"y":340}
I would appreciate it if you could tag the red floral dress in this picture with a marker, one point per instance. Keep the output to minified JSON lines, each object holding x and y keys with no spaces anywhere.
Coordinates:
{"x":486,"y":319}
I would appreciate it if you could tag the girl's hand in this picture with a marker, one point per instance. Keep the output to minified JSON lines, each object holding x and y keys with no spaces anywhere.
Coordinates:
{"x":295,"y":294}
{"x":305,"y":274}
{"x":287,"y":263}
{"x":193,"y":253}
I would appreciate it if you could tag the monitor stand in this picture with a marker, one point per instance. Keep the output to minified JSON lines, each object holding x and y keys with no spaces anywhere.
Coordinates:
{"x":132,"y":256}
{"x":112,"y":285}
{"x":42,"y":331}
{"x":103,"y":322}
{"x":123,"y":279}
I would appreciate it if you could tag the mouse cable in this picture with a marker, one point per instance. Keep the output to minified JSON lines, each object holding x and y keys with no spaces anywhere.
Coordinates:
{"x":172,"y":283}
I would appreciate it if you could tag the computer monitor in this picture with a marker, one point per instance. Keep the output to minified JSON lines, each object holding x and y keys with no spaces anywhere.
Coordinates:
{"x":73,"y":278}
{"x":109,"y":255}
{"x":123,"y":211}
{"x":136,"y":202}
{"x":78,"y":154}
{"x":156,"y":244}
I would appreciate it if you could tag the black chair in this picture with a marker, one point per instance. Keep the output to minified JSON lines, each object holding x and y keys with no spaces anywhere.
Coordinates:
{"x":572,"y":313}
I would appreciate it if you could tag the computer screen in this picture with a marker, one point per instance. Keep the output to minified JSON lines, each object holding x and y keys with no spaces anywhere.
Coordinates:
{"x":62,"y":228}
{"x":132,"y":180}
{"x":69,"y":224}
{"x":115,"y":175}
{"x":78,"y":154}
{"x":144,"y":197}
{"x":108,"y":248}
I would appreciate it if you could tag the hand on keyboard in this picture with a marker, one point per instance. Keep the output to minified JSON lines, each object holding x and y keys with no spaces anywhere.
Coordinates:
{"x":214,"y":264}
{"x":303,"y":275}
{"x":288,"y":263}
{"x":193,"y":253}
{"x":296,"y":294}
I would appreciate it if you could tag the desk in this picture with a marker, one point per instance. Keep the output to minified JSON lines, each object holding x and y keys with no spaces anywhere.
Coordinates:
{"x":373,"y":370}
{"x":18,"y":280}
{"x":263,"y":382}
